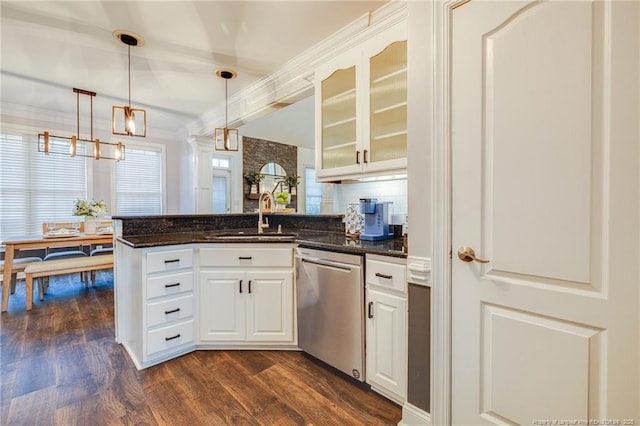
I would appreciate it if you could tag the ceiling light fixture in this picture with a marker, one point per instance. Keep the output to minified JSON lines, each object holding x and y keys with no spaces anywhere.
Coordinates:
{"x":126,"y":120}
{"x":77,"y":146}
{"x":226,"y":139}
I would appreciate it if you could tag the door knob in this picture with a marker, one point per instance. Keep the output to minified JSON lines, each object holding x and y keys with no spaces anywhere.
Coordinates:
{"x":466,"y":254}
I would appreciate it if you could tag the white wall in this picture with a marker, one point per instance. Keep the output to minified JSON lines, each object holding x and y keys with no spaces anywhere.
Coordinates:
{"x":420,"y":129}
{"x":306,"y":158}
{"x":394,"y":191}
{"x":292,"y":125}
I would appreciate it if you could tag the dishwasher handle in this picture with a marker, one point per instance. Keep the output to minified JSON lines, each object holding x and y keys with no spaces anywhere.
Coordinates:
{"x":326,"y":263}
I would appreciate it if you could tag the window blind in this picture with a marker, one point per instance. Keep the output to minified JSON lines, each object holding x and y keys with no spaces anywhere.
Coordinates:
{"x":36,"y":187}
{"x":313,"y":191}
{"x":139,"y":182}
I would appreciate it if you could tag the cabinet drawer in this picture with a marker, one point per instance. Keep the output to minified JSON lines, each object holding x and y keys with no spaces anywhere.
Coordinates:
{"x":169,"y":260}
{"x":167,"y":284}
{"x":386,"y":275}
{"x":169,"y":337}
{"x":247,"y":257}
{"x":166,"y":311}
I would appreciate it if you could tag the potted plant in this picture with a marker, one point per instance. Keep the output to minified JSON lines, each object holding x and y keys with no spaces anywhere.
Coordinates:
{"x":292,"y":181}
{"x":90,"y":210}
{"x":282,"y":199}
{"x":254,"y":179}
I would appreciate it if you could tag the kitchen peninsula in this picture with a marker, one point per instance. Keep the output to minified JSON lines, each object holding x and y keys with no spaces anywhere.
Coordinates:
{"x":314,"y":231}
{"x":192,"y":282}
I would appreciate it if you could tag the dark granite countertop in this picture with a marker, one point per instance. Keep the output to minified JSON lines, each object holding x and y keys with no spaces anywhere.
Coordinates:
{"x":333,"y":241}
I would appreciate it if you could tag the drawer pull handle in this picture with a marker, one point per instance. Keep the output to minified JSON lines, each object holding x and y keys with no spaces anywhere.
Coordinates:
{"x":249,"y":286}
{"x":244,"y":257}
{"x":378,"y":274}
{"x":172,"y":261}
{"x":173,"y":311}
{"x":240,"y":286}
{"x":177,"y":336}
{"x":370,"y":310}
{"x":171,"y":285}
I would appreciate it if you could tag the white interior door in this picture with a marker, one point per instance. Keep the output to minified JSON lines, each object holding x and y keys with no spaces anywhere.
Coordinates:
{"x":544,"y":145}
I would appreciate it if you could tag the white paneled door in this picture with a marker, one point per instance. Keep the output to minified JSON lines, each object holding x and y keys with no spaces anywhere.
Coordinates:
{"x":544,"y":146}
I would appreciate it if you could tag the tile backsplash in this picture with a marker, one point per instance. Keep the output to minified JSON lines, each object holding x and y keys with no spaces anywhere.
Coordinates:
{"x":390,"y":190}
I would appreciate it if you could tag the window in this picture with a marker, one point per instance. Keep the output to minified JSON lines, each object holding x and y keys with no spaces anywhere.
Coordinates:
{"x":220,"y":185}
{"x":36,"y":187}
{"x":139,"y":184}
{"x":312,"y":191}
{"x":220,"y":163}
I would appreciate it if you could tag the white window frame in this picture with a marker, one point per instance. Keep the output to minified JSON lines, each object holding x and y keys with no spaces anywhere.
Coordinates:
{"x":163,"y":172}
{"x":32,"y":134}
{"x":222,"y":172}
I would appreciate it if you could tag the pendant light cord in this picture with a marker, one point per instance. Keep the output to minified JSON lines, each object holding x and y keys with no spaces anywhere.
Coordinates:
{"x":78,"y":115}
{"x":226,"y":103}
{"x":129,"y":48}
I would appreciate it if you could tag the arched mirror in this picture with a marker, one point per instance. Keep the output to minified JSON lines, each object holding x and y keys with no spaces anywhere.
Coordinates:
{"x":273,"y":174}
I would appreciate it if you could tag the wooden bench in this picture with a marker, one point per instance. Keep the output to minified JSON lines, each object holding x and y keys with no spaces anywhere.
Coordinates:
{"x":61,"y":267}
{"x":18,"y":266}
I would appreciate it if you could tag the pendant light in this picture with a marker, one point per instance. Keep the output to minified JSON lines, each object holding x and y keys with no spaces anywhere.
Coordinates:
{"x":226,"y":139}
{"x":75,"y":145}
{"x":125,"y":119}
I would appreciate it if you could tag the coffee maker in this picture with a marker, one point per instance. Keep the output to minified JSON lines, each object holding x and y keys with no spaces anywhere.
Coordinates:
{"x":376,"y":219}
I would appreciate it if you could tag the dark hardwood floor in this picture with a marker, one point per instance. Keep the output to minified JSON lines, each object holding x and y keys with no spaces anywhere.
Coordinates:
{"x":60,"y":365}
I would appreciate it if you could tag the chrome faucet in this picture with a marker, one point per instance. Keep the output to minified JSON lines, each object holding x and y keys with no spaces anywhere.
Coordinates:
{"x":261,"y":225}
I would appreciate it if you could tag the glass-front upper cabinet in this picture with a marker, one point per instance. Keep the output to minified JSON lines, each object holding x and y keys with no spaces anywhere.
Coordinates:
{"x":388,"y":104}
{"x":339,"y":118}
{"x":361,"y":109}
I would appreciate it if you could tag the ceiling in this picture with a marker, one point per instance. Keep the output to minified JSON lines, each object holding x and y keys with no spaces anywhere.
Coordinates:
{"x":50,"y":47}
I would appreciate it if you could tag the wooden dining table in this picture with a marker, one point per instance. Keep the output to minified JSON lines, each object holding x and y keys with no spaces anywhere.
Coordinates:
{"x":14,"y":244}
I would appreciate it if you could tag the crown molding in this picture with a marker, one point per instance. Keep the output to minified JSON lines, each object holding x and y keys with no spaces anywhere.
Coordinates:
{"x":294,"y":80}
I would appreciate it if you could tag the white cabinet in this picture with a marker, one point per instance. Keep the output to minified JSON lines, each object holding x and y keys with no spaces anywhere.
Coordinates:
{"x":386,"y":326}
{"x":155,"y":302}
{"x":361,"y":109}
{"x":246,"y":295}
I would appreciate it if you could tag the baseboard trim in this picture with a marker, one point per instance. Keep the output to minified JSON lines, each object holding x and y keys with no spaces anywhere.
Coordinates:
{"x":414,"y":416}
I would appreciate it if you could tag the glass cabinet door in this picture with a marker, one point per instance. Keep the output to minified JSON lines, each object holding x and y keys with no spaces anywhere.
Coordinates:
{"x":339,"y":119}
{"x":388,"y":104}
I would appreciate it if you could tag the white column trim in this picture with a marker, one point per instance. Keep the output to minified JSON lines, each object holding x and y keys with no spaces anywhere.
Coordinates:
{"x":441,"y":295}
{"x":414,"y":416}
{"x":419,"y":270}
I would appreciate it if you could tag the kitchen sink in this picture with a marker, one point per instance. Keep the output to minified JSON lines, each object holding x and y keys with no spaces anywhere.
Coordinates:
{"x":242,"y":236}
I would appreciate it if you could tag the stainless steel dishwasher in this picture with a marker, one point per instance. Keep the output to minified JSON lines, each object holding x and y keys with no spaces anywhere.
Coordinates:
{"x":330,"y":303}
